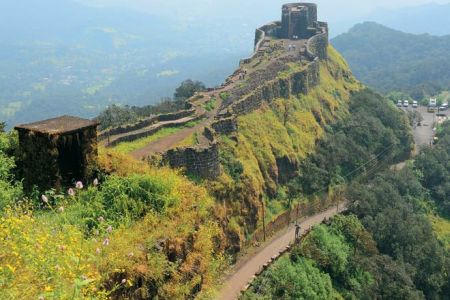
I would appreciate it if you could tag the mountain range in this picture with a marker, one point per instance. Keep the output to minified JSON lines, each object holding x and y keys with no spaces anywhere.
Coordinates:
{"x":391,"y":60}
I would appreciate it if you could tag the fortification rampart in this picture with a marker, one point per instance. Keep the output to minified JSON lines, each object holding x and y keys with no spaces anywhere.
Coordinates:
{"x":141,"y":134}
{"x":299,"y":82}
{"x":317,"y":45}
{"x":202,"y":160}
{"x":277,"y":80}
{"x":190,"y":111}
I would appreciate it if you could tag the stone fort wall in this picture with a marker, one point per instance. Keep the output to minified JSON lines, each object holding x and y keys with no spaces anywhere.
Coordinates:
{"x":190,"y":111}
{"x":203,"y":160}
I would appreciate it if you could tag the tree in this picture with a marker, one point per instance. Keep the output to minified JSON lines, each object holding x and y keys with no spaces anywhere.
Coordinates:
{"x":188,"y":88}
{"x":291,"y":280}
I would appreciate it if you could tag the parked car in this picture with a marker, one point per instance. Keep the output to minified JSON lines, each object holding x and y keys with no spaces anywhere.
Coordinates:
{"x":414,"y":104}
{"x":399,"y":103}
{"x":444,"y":106}
{"x":432,"y":103}
{"x":405,"y":103}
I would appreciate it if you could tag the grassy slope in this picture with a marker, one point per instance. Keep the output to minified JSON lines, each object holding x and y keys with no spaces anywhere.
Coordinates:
{"x":50,"y":250}
{"x":263,"y":136}
{"x":48,"y":253}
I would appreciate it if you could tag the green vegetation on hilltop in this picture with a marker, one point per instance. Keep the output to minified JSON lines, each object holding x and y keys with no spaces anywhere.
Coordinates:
{"x":289,"y":128}
{"x":390,"y":60}
{"x":296,"y":149}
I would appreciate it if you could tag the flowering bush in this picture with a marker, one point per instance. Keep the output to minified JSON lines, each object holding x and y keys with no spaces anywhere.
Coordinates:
{"x":153,"y":232}
{"x":42,"y":259}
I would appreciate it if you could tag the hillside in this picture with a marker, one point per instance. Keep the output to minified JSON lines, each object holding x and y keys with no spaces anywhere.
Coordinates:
{"x":393,"y":242}
{"x":176,"y":198}
{"x":390,"y":60}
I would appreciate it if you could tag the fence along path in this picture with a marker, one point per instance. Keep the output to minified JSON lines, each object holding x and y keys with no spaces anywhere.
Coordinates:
{"x":248,"y":268}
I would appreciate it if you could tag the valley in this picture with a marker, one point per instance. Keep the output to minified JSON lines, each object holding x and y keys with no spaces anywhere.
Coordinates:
{"x":290,"y":180}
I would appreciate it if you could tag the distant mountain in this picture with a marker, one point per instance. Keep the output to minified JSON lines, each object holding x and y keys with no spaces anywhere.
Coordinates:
{"x":388,"y":60}
{"x":62,"y":57}
{"x":431,"y":18}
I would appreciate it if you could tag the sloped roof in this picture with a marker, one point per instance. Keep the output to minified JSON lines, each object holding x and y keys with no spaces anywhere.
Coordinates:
{"x":60,"y":125}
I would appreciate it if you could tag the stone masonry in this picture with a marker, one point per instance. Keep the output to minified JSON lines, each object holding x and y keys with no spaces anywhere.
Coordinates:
{"x":57,"y":152}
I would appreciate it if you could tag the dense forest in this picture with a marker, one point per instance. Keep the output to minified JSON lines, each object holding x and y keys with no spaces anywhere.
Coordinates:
{"x":389,"y":60}
{"x":385,"y":247}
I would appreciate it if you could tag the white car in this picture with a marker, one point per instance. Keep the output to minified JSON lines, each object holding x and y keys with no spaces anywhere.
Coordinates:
{"x":405,"y":103}
{"x":399,"y":103}
{"x":414,"y":104}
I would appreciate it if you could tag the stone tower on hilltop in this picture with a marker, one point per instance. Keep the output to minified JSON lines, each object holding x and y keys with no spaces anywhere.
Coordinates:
{"x":299,"y":21}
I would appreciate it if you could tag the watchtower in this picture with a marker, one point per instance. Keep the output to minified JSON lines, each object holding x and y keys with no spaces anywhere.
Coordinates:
{"x":57,"y":152}
{"x":298,"y":20}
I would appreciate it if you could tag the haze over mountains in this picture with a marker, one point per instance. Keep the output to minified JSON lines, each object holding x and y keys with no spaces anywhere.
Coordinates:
{"x":70,"y":58}
{"x":63,"y":57}
{"x":391,"y":60}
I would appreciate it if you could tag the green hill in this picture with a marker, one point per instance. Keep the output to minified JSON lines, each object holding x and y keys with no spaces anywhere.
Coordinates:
{"x":389,"y":60}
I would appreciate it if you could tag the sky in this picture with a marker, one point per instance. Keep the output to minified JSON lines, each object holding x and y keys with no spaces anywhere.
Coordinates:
{"x":340,"y":14}
{"x":199,"y":7}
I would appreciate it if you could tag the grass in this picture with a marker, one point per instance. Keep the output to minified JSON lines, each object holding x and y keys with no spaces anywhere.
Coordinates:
{"x":293,"y":68}
{"x":49,"y":254}
{"x":269,"y":133}
{"x":128,"y":147}
{"x":224,"y":95}
{"x":191,"y":140}
{"x":441,"y":226}
{"x":211,"y":104}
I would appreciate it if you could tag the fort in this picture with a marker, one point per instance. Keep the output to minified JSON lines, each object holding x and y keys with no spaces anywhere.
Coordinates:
{"x":298,"y":38}
{"x":285,"y":63}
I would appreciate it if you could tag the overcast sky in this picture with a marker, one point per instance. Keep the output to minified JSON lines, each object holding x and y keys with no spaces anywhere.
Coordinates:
{"x":200,"y":7}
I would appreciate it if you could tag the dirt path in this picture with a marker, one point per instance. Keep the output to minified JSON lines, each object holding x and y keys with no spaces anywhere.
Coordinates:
{"x":166,"y":143}
{"x":169,"y":142}
{"x":250,"y":265}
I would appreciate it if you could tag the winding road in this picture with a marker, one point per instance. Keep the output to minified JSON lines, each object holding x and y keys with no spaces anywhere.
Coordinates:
{"x":250,"y":265}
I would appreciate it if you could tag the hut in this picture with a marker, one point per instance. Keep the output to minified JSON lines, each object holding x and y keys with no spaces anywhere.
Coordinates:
{"x":57,"y":152}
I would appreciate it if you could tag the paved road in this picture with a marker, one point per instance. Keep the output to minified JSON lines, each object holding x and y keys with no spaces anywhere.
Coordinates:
{"x":423,"y":135}
{"x":248,"y":266}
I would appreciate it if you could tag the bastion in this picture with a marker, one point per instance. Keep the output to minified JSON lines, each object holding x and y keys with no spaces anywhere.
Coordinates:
{"x":57,"y":152}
